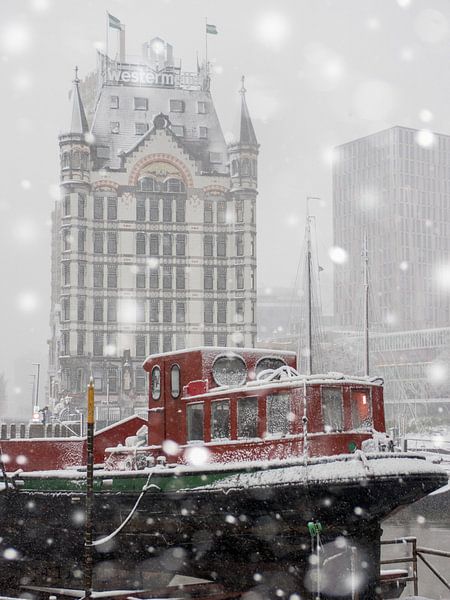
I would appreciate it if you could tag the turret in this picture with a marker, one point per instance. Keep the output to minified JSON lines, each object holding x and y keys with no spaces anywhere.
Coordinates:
{"x":244,"y":153}
{"x":74,"y":148}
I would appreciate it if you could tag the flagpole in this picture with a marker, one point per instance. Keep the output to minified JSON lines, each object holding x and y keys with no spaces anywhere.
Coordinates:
{"x":206,"y":45}
{"x":107,"y":35}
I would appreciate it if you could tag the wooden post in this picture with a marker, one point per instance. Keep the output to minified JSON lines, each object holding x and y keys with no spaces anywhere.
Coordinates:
{"x":88,"y":548}
{"x":414,"y":566}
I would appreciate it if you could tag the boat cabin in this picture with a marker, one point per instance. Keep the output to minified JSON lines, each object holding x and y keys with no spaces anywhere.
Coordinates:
{"x":250,"y":403}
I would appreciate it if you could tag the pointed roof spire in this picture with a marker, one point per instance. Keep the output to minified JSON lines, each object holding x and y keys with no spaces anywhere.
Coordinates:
{"x":247,"y":134}
{"x":79,"y":123}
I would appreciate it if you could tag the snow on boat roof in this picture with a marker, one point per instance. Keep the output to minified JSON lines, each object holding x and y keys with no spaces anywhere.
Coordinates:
{"x":224,"y":349}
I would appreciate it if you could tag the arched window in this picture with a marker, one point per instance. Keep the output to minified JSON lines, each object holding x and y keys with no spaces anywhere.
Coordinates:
{"x":84,"y":161}
{"x":245,"y":167}
{"x":65,"y":160}
{"x":254,"y":168}
{"x":234,"y":168}
{"x":76,"y":160}
{"x":140,"y":243}
{"x":175,"y":386}
{"x":156,"y":383}
{"x":174,"y":185}
{"x":147,"y":184}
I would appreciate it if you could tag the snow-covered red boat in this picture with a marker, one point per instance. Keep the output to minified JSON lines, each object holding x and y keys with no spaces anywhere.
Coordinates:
{"x":251,"y":475}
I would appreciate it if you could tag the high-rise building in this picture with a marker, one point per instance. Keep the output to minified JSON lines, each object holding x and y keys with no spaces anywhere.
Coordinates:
{"x":394,"y":185}
{"x":154,"y":237}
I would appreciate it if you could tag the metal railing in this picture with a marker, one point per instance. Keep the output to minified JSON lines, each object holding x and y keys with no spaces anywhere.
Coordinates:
{"x":417,"y":552}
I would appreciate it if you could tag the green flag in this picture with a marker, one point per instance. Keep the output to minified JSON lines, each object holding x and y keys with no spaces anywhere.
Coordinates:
{"x":114,"y":22}
{"x":211,"y":29}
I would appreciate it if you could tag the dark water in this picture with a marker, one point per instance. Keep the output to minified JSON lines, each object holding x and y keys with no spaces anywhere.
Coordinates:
{"x":430,"y":535}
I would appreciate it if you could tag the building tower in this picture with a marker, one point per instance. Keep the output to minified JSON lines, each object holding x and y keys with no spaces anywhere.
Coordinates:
{"x":153,"y":239}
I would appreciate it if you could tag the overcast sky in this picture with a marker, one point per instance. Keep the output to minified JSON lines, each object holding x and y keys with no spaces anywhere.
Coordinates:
{"x":319,"y":73}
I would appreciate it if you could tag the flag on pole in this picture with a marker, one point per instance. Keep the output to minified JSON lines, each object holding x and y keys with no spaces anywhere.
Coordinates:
{"x":114,"y":22}
{"x":212,"y":29}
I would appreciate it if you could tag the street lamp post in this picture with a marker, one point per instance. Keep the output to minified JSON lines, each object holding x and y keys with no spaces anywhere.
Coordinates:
{"x":33,"y":393}
{"x":38,"y":365}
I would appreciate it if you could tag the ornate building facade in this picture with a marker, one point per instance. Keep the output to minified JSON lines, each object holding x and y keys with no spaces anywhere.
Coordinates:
{"x":154,"y":237}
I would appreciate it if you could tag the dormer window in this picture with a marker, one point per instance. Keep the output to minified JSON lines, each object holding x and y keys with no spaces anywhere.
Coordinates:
{"x":140,"y":104}
{"x":176,"y":106}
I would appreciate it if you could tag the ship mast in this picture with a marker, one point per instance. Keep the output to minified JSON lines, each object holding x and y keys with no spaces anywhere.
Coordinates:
{"x":365,"y":255}
{"x":309,"y":291}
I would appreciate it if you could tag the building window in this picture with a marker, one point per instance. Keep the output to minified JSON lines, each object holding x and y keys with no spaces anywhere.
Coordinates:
{"x":209,"y":312}
{"x":112,"y":310}
{"x":208,"y":245}
{"x":252,"y":279}
{"x":140,"y":279}
{"x":154,"y":343}
{"x":167,"y":244}
{"x":252,"y":246}
{"x":221,"y":212}
{"x":140,"y":381}
{"x":111,"y":211}
{"x":178,"y":130}
{"x":154,"y":279}
{"x":222,"y":245}
{"x":221,"y":278}
{"x":154,"y":210}
{"x":98,"y":344}
{"x":209,"y":339}
{"x":65,"y":312}
{"x":147,"y":184}
{"x":215,"y":157}
{"x":98,"y":208}
{"x":245,"y":167}
{"x":239,"y":311}
{"x":98,"y":380}
{"x":332,"y":415}
{"x":167,"y":311}
{"x":140,"y":128}
{"x":112,"y":242}
{"x":174,"y":185}
{"x":81,"y":274}
{"x":181,"y":245}
{"x":82,"y":240}
{"x":167,"y":210}
{"x":167,"y":277}
{"x":98,"y":275}
{"x":203,"y":133}
{"x":154,"y":310}
{"x":140,"y":243}
{"x":114,"y":102}
{"x":180,"y":210}
{"x":98,"y":242}
{"x":103,"y":151}
{"x":180,"y":279}
{"x":140,"y":209}
{"x":202,"y":108}
{"x":278,"y":408}
{"x":66,"y":273}
{"x":222,"y":339}
{"x":115,"y":127}
{"x":208,"y":278}
{"x":81,"y":308}
{"x":112,"y":277}
{"x":140,"y":345}
{"x":240,"y":278}
{"x":194,"y":422}
{"x":113,"y":378}
{"x":76,"y":159}
{"x":140,"y":104}
{"x":80,"y":345}
{"x":239,"y":211}
{"x":65,"y":160}
{"x":208,"y":212}
{"x":222,"y":312}
{"x":98,"y":310}
{"x":234,"y":168}
{"x":81,"y":205}
{"x":65,"y":343}
{"x":154,"y":244}
{"x":140,"y":311}
{"x":240,"y":244}
{"x":220,"y":419}
{"x":176,"y":106}
{"x":66,"y":239}
{"x":167,"y":342}
{"x":66,"y":205}
{"x":181,"y":312}
{"x":247,"y":415}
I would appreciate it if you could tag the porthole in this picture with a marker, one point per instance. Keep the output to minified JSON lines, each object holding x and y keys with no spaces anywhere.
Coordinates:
{"x":156,"y":383}
{"x":268,"y":362}
{"x":229,"y":369}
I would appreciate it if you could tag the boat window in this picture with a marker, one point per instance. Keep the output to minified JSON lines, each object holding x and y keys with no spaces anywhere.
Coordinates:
{"x":278,"y":414}
{"x":361,"y":409}
{"x":175,"y":381}
{"x":220,"y":419}
{"x":194,"y":413}
{"x":268,"y":362}
{"x":332,"y":409}
{"x":229,"y":370}
{"x":156,"y":383}
{"x":247,"y":411}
